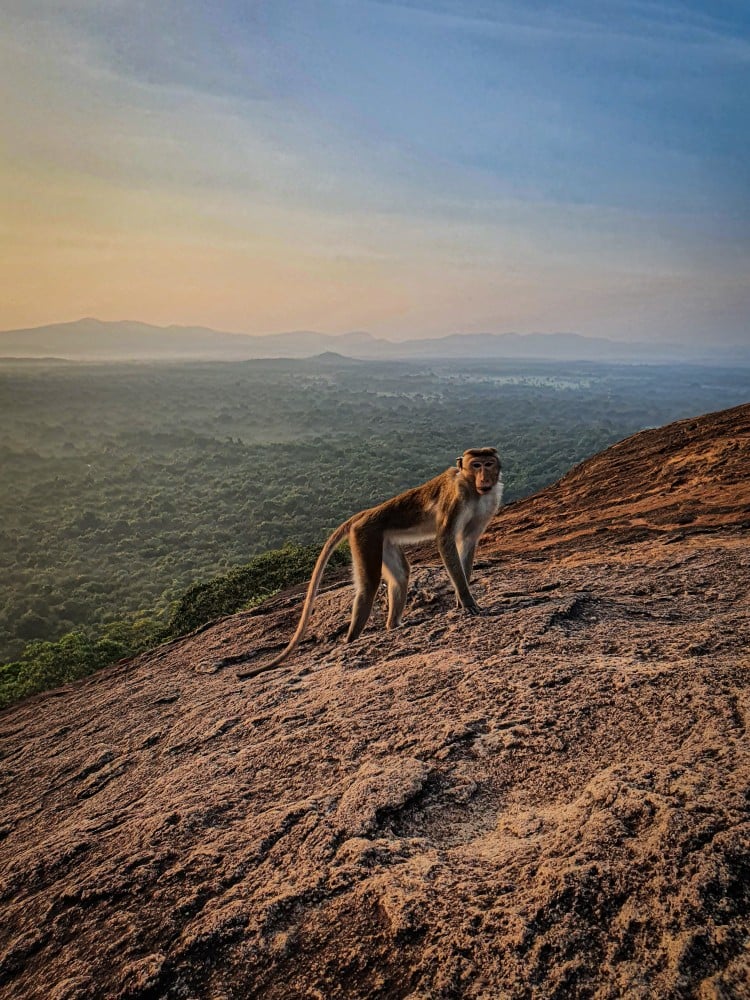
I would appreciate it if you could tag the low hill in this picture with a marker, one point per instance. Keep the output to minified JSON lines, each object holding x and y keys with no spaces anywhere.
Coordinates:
{"x":550,"y":801}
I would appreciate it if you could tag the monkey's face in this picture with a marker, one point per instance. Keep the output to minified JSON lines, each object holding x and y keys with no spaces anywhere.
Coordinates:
{"x":481,"y":467}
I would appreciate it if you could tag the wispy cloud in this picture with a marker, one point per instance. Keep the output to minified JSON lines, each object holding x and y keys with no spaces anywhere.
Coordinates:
{"x":405,"y":166}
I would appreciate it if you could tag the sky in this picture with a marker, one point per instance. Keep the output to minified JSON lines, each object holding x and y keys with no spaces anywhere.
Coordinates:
{"x":408,"y":167}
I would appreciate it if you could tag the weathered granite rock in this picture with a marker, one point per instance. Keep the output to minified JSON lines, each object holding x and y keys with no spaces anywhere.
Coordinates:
{"x":550,"y":801}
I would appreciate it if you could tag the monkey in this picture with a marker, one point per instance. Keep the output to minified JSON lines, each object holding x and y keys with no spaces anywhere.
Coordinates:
{"x":454,"y":508}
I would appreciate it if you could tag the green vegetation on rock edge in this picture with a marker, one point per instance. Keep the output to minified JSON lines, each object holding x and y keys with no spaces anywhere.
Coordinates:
{"x":125,"y":484}
{"x":45,"y":665}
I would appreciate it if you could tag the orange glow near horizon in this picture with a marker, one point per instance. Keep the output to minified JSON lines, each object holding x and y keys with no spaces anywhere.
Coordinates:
{"x":75,"y":247}
{"x":171,"y":185}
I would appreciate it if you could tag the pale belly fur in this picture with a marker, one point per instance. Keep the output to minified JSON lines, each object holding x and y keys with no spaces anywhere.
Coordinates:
{"x":474,"y":522}
{"x":419,"y":533}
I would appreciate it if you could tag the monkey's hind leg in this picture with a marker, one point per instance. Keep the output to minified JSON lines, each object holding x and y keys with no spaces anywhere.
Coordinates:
{"x":396,"y":571}
{"x":367,"y":558}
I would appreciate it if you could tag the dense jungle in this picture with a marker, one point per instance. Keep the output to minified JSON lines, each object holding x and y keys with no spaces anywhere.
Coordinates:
{"x":126,"y":485}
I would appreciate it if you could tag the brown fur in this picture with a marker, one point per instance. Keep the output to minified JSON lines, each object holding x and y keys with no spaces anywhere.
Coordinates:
{"x":454,"y":508}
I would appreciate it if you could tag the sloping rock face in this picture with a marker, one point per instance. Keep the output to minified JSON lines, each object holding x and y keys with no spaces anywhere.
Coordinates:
{"x":550,"y":801}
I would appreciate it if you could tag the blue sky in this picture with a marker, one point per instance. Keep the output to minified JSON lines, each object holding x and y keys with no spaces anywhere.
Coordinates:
{"x":410,"y":168}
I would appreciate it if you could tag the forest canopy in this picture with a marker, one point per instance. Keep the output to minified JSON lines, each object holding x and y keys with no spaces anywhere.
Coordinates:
{"x":124,"y":485}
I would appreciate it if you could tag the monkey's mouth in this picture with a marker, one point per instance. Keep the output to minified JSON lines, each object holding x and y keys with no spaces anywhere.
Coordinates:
{"x":484,"y":489}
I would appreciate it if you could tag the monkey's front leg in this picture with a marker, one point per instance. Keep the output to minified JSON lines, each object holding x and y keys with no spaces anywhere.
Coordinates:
{"x":451,"y":560}
{"x":467,"y":549}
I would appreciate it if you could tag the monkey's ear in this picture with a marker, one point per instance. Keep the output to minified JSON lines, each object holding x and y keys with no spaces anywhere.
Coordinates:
{"x":458,"y":463}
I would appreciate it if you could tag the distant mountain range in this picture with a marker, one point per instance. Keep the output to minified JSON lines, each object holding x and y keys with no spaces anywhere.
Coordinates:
{"x":97,"y":340}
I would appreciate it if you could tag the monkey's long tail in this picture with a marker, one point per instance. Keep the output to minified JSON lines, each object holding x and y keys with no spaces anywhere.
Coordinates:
{"x":312,"y":590}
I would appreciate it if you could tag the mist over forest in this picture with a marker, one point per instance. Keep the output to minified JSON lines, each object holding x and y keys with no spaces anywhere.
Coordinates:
{"x":124,"y":484}
{"x":268,"y":265}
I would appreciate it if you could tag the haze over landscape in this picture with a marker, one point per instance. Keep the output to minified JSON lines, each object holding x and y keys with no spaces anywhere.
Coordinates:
{"x":93,"y":340}
{"x":265,"y":264}
{"x":413,"y":169}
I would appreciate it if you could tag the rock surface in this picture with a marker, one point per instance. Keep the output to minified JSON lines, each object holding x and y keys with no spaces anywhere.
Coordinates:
{"x":550,"y":801}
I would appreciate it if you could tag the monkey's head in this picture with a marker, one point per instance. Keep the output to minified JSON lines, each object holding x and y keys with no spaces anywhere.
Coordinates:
{"x":480,"y":466}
